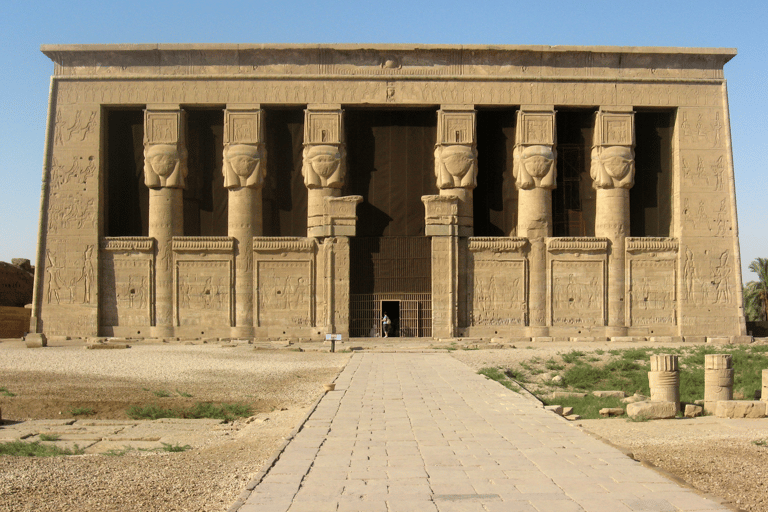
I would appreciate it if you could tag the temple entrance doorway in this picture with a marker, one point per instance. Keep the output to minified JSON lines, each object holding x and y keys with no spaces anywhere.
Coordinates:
{"x":391,"y":308}
{"x":392,"y":275}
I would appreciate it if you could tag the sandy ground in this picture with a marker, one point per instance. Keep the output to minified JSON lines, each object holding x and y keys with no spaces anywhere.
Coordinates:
{"x":715,"y":456}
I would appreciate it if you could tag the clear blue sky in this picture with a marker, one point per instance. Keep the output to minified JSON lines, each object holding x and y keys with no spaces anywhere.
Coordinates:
{"x":25,"y":72}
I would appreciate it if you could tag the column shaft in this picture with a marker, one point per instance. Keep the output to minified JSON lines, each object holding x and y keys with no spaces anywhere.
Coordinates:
{"x":612,"y":222}
{"x":534,"y":212}
{"x":166,"y":211}
{"x":244,"y":223}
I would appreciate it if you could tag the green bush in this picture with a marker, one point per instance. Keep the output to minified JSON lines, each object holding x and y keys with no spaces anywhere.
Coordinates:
{"x":225,"y":412}
{"x":35,"y":449}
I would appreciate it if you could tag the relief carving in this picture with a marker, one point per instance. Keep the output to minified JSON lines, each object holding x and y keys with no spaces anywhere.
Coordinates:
{"x":534,"y":158}
{"x":203,"y":292}
{"x":244,"y":154}
{"x":498,"y":296}
{"x":577,"y":293}
{"x":73,"y":126}
{"x":125,"y":290}
{"x":323,"y":166}
{"x":284,"y":289}
{"x":70,"y":211}
{"x":79,"y":171}
{"x":69,"y":284}
{"x":652,"y":292}
{"x":456,"y":166}
{"x":613,"y":156}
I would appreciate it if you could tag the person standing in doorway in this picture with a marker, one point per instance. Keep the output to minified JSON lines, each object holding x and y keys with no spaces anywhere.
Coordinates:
{"x":386,"y":324}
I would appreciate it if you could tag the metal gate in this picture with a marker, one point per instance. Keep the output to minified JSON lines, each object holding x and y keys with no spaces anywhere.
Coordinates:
{"x":391,"y":269}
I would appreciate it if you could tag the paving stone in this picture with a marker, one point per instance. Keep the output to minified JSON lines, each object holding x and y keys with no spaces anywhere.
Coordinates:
{"x":424,"y":432}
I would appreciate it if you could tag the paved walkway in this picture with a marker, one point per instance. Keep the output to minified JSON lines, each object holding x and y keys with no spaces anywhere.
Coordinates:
{"x":423,"y":432}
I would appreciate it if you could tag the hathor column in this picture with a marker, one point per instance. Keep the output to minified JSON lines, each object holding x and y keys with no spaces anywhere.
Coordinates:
{"x":165,"y":168}
{"x":324,"y":163}
{"x":613,"y":174}
{"x":535,"y":172}
{"x":244,"y":167}
{"x":449,"y":215}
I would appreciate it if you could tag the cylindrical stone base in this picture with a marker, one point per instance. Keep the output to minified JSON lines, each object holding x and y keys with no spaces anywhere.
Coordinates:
{"x":764,"y":392}
{"x":718,"y":380}
{"x":664,"y":379}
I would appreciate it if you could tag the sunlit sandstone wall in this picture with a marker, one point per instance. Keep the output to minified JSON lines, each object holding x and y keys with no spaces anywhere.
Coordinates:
{"x":529,"y":285}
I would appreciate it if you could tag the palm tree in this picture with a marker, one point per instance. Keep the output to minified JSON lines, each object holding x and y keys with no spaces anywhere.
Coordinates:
{"x":756,"y":292}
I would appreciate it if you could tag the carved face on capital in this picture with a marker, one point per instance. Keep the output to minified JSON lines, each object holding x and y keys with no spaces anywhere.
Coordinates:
{"x":618,"y":161}
{"x":457,"y":159}
{"x":325,"y":160}
{"x":163,"y":159}
{"x":243,"y":159}
{"x":538,"y":160}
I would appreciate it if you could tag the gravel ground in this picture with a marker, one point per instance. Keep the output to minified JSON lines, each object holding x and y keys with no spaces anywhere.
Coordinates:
{"x":715,"y":456}
{"x":279,"y":385}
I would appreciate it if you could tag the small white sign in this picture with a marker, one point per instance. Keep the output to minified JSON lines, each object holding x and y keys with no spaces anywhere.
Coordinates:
{"x":333,"y":337}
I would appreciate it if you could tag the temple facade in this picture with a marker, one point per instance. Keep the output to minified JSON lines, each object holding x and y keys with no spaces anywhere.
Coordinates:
{"x":267,"y":191}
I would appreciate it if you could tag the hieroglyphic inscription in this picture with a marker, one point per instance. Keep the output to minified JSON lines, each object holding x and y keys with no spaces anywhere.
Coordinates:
{"x":653,"y":300}
{"x":284,"y":289}
{"x":708,"y":276}
{"x":203,"y":292}
{"x":577,"y":293}
{"x":126,"y":290}
{"x":498,"y":294}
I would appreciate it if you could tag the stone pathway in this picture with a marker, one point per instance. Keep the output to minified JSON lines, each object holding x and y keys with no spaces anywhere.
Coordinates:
{"x":422,"y":432}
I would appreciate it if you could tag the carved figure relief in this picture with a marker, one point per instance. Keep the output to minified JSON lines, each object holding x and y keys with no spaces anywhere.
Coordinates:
{"x":498,"y":296}
{"x":70,"y":211}
{"x":284,"y":289}
{"x":73,"y":126}
{"x":711,"y":217}
{"x":577,"y":293}
{"x":79,"y":171}
{"x":165,"y":155}
{"x":701,"y":128}
{"x":69,"y":284}
{"x":323,"y":166}
{"x":652,"y":292}
{"x":125,"y":290}
{"x":203,"y":292}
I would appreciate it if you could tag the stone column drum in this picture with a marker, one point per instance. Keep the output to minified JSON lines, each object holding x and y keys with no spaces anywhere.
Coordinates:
{"x":718,"y":380}
{"x":324,"y":163}
{"x":534,"y":168}
{"x":613,"y":174}
{"x":664,"y":379}
{"x":244,"y":168}
{"x":165,"y":169}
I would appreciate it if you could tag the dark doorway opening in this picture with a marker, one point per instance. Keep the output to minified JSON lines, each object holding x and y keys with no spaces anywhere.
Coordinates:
{"x":205,"y":198}
{"x":573,"y":201}
{"x":495,"y":198}
{"x":650,"y":200}
{"x":126,"y":198}
{"x":391,"y":308}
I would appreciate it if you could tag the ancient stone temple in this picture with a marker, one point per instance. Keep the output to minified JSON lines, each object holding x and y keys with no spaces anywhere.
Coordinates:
{"x":298,"y":190}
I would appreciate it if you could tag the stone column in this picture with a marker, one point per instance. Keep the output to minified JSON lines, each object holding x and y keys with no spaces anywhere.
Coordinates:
{"x":764,"y":391}
{"x":613,"y":174}
{"x":244,"y":168}
{"x":718,"y":380}
{"x":534,"y":168}
{"x":324,"y":163}
{"x":664,"y":379}
{"x":165,"y":169}
{"x":456,"y":161}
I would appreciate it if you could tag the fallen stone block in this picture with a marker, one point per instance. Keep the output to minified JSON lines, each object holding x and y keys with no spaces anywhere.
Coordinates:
{"x":637,"y":397}
{"x":692,"y":411}
{"x":627,"y":339}
{"x":740,"y":409}
{"x":567,"y":411}
{"x":722,"y":340}
{"x":652,"y":410}
{"x":695,"y":339}
{"x":567,"y":394}
{"x":557,"y":409}
{"x":742,"y":340}
{"x":609,"y":394}
{"x":608,"y":412}
{"x":107,"y":346}
{"x":573,"y":417}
